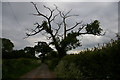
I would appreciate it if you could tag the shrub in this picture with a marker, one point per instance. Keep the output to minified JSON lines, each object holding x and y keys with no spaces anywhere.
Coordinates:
{"x":68,"y":70}
{"x":102,"y":62}
{"x":52,"y":63}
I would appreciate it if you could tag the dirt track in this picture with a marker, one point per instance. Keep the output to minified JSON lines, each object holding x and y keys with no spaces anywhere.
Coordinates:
{"x":41,"y":72}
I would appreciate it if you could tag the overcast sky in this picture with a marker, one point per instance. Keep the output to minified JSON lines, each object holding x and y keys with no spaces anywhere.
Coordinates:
{"x":16,"y":19}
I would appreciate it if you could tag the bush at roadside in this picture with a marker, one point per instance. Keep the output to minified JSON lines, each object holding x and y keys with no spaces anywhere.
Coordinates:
{"x":14,"y":68}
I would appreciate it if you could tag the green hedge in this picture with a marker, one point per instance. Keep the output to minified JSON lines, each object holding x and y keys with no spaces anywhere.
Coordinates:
{"x":52,"y":63}
{"x":102,"y":62}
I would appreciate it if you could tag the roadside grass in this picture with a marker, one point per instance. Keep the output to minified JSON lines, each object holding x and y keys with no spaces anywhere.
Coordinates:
{"x":52,"y":63}
{"x":14,"y":68}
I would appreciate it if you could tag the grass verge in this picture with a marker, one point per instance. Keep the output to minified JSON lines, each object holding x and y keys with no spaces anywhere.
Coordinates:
{"x":14,"y":68}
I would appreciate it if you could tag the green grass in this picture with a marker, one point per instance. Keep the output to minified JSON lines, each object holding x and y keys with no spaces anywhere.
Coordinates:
{"x":14,"y":68}
{"x":52,"y":63}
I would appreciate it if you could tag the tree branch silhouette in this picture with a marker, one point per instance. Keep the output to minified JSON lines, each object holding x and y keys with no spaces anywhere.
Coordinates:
{"x":67,"y":39}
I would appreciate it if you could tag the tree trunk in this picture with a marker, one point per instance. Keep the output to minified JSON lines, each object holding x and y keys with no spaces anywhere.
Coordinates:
{"x":61,"y":52}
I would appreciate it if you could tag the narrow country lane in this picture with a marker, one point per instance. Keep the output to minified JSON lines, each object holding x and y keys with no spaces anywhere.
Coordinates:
{"x":40,"y":72}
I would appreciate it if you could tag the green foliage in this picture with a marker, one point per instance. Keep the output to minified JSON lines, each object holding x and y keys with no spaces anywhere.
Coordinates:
{"x":17,"y":54}
{"x":44,"y":48}
{"x":7,"y":45}
{"x":52,"y":60}
{"x":68,"y":70}
{"x":29,"y":50}
{"x":9,"y":53}
{"x":71,"y":41}
{"x":52,"y":63}
{"x":51,"y":55}
{"x":14,"y":68}
{"x":45,"y":27}
{"x":97,"y":63}
{"x":94,"y":28}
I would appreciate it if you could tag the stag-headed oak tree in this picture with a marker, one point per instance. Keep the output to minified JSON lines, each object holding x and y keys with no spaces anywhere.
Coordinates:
{"x":67,"y":40}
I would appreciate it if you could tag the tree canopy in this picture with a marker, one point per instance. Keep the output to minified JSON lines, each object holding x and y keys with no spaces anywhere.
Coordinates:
{"x":67,"y":39}
{"x":43,"y":48}
{"x":29,"y":50}
{"x":7,"y":45}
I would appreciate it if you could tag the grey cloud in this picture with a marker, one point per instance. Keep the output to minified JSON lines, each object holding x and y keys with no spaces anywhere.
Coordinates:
{"x":106,"y":13}
{"x":0,"y":19}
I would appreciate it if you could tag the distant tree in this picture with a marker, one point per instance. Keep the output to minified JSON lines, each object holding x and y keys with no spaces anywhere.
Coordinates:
{"x":67,"y":40}
{"x":7,"y":45}
{"x":52,"y":54}
{"x":30,"y":50}
{"x":44,"y":48}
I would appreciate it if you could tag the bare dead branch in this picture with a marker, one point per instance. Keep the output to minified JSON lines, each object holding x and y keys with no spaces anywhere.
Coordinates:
{"x":64,"y":22}
{"x":31,"y":34}
{"x":103,"y":34}
{"x":70,"y":16}
{"x":39,"y":13}
{"x":81,"y":28}
{"x":51,"y":11}
{"x":37,"y":29}
{"x":38,"y":26}
{"x":84,"y":33}
{"x":59,"y":11}
{"x":55,"y":6}
{"x":68,"y":12}
{"x":33,"y":30}
{"x":60,"y":36}
{"x":92,"y":34}
{"x":35,"y":7}
{"x":47,"y":37}
{"x":54,"y":17}
{"x":74,"y":26}
{"x":59,"y":26}
{"x":63,"y":14}
{"x":47,"y":8}
{"x":25,"y":37}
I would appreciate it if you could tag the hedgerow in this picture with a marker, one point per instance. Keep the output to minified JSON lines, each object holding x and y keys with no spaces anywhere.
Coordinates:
{"x":99,"y":62}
